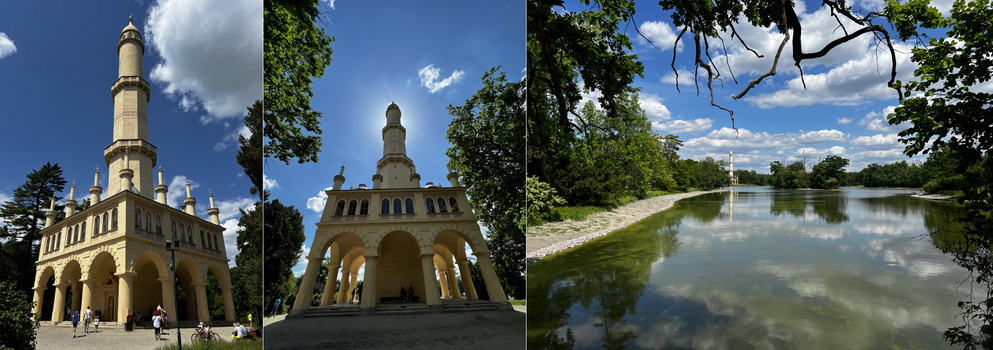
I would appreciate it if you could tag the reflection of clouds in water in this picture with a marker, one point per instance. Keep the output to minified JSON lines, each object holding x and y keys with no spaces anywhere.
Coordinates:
{"x":588,"y":335}
{"x":890,"y":228}
{"x":914,"y":255}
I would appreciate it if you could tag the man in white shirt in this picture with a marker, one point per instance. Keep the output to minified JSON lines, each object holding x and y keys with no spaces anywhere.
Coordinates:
{"x":87,"y":317}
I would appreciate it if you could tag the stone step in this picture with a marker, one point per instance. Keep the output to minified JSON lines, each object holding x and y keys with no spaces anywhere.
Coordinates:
{"x":469,"y":306}
{"x":332,"y":311}
{"x":402,"y":309}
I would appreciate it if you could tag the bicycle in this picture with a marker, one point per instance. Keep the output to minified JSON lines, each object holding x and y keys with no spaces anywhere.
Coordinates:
{"x":205,"y":335}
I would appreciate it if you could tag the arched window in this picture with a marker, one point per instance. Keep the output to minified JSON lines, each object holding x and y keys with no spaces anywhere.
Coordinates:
{"x":106,"y":217}
{"x":96,"y":225}
{"x":148,"y":221}
{"x":203,"y":240}
{"x":454,"y":204}
{"x":58,"y":240}
{"x":82,"y":232}
{"x":158,"y":224}
{"x":340,"y":209}
{"x":174,"y":230}
{"x":189,"y":234}
{"x":409,"y":205}
{"x":430,"y":204}
{"x":137,"y":218}
{"x":441,"y":205}
{"x":386,"y":207}
{"x":113,"y":219}
{"x":397,"y":208}
{"x":351,"y":207}
{"x":216,"y":247}
{"x":364,"y":207}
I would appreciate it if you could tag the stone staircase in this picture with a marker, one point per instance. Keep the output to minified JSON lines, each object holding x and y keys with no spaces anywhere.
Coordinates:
{"x":460,"y":305}
{"x":402,"y":309}
{"x":332,"y":310}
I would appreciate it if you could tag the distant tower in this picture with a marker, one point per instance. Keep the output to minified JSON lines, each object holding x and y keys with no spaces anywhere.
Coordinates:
{"x":130,"y":152}
{"x":734,"y":179}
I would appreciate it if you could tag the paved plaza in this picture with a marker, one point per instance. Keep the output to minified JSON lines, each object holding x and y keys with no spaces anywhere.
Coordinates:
{"x":466,"y":330}
{"x":60,"y":337}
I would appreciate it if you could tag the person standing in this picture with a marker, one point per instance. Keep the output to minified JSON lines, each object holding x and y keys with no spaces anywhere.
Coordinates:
{"x":75,"y":322}
{"x":157,"y":324}
{"x":87,"y":317}
{"x":96,"y":321}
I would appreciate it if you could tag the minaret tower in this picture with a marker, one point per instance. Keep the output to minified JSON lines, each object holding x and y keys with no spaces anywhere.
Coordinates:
{"x":731,"y":177}
{"x":395,"y":170}
{"x":131,"y":94}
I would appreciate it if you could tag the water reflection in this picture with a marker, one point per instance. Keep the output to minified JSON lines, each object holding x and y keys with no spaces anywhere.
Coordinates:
{"x":755,"y":268}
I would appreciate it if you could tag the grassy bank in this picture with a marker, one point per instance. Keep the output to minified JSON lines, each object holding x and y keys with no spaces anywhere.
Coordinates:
{"x":578,"y":213}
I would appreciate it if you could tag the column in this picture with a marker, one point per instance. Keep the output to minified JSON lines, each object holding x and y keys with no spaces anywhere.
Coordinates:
{"x":203,"y":311}
{"x":452,"y":282}
{"x":168,"y":297}
{"x":470,"y":288}
{"x":353,"y":284}
{"x":489,"y":276}
{"x":124,"y":292}
{"x":228,"y":303}
{"x":329,"y":285}
{"x":369,"y":284}
{"x":77,"y":295}
{"x":443,"y":281}
{"x":430,"y":290}
{"x":59,"y":306}
{"x":39,"y":296}
{"x":87,"y":294}
{"x":306,"y":292}
{"x":343,"y":288}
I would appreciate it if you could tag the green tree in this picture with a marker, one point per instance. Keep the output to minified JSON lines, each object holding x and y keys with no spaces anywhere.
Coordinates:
{"x":948,"y":112}
{"x":25,"y":215}
{"x":250,"y":152}
{"x":793,"y":175}
{"x":295,"y":51}
{"x":488,"y":154}
{"x":248,"y":270}
{"x":829,"y":173}
{"x":284,"y":238}
{"x":15,"y":318}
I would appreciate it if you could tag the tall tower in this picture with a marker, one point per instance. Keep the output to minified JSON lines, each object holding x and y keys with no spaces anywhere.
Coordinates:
{"x":733,"y":179}
{"x":395,"y":170}
{"x":130,"y":155}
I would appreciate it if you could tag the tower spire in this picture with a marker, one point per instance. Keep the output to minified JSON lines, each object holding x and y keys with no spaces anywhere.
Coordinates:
{"x":96,"y":190}
{"x":395,"y":169}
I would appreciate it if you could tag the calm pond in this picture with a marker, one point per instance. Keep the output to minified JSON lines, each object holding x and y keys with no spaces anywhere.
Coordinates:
{"x":756,"y":268}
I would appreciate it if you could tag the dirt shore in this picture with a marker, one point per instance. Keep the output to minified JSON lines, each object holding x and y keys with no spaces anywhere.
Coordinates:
{"x":554,"y":237}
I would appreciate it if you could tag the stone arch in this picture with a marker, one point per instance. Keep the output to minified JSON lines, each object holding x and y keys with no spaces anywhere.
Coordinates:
{"x":187,"y":276}
{"x":399,"y":266}
{"x":150,"y":270}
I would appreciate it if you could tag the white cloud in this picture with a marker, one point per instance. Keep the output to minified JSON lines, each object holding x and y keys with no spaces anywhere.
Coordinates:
{"x":301,"y":265}
{"x":654,"y":109}
{"x":684,"y":126}
{"x":316,"y":203}
{"x":661,"y":34}
{"x":844,"y":121}
{"x":268,"y":182}
{"x":177,"y":190}
{"x":821,"y":136}
{"x":877,"y":141}
{"x":211,"y":54}
{"x":686,"y":78}
{"x":7,"y":46}
{"x":877,"y":121}
{"x":231,"y":239}
{"x":231,"y":139}
{"x":330,"y":3}
{"x":230,"y":208}
{"x":809,"y":152}
{"x":429,"y":78}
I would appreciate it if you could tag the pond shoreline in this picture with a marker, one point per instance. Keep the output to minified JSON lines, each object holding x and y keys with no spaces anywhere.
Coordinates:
{"x":549,"y":238}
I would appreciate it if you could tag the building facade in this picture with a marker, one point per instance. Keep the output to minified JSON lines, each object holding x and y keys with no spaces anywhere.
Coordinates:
{"x":111,"y":256}
{"x":407,"y":236}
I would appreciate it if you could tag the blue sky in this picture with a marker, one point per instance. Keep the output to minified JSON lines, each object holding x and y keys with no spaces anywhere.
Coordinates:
{"x":841,"y":112}
{"x":202,"y":59}
{"x":422,"y":55}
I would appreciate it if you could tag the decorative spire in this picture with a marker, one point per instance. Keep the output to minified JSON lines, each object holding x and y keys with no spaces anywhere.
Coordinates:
{"x":51,"y":204}
{"x":213,"y":211}
{"x":342,"y":171}
{"x":161,"y":189}
{"x":161,"y":182}
{"x":189,"y":193}
{"x":72,"y":191}
{"x":96,"y":177}
{"x":211,"y":197}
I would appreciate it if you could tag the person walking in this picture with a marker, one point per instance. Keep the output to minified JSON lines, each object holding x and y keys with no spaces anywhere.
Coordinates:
{"x":275,"y":306}
{"x":75,"y":322}
{"x":157,"y":324}
{"x":87,"y":318}
{"x":96,"y":321}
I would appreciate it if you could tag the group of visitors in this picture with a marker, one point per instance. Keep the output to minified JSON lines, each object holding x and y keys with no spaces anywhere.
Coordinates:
{"x":407,"y":295}
{"x":88,"y":317}
{"x":159,"y":320}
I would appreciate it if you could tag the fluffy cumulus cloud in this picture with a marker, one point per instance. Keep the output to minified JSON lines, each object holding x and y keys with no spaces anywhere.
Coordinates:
{"x":269,"y":183}
{"x":877,"y":141}
{"x":211,"y":55}
{"x":815,"y":153}
{"x":7,"y":46}
{"x":654,"y":109}
{"x":429,"y":78}
{"x":755,"y":150}
{"x":231,"y":238}
{"x":685,"y":78}
{"x":231,"y":208}
{"x":316,"y":203}
{"x":231,"y":139}
{"x":693,"y":126}
{"x":661,"y":34}
{"x":177,"y":190}
{"x":877,"y":121}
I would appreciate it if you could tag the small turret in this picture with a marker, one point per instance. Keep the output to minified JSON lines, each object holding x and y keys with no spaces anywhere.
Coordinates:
{"x":50,"y":214}
{"x":96,"y":190}
{"x":71,"y":203}
{"x":190,"y":202}
{"x":126,"y":174}
{"x":453,"y":178}
{"x":161,"y":190}
{"x":339,"y":179}
{"x":213,"y":211}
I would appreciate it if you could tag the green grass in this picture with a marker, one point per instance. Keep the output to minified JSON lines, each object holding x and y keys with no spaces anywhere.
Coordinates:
{"x":223,"y":345}
{"x":522,"y":302}
{"x":579,"y":213}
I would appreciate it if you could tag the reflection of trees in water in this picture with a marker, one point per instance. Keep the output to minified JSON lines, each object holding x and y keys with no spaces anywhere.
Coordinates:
{"x":940,"y":218}
{"x":830,"y":206}
{"x":607,"y":275}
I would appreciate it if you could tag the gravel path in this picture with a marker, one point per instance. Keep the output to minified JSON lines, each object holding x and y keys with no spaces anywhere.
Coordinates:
{"x":432,"y":331}
{"x":553,"y":237}
{"x":60,"y":337}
